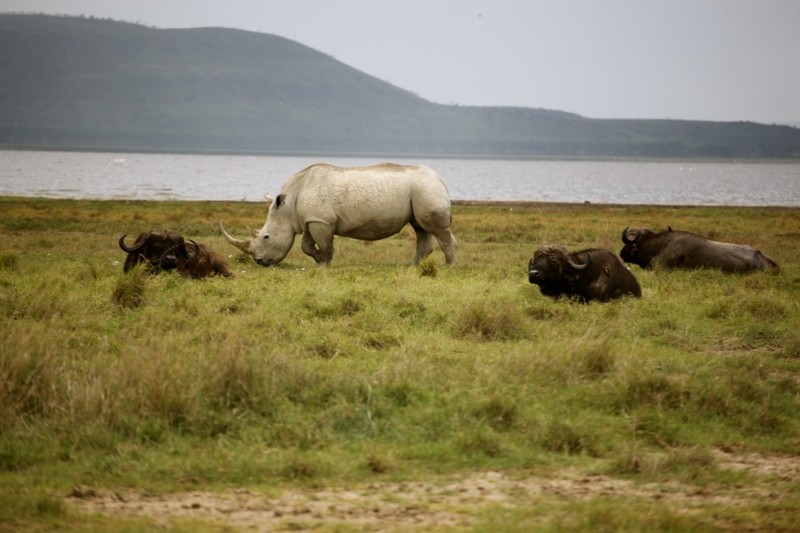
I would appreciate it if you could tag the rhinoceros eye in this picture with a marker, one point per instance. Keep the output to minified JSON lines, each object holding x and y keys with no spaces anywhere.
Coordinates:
{"x":266,"y":237}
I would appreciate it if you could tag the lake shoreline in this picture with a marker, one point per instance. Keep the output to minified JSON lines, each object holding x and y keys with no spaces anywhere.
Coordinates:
{"x":511,"y":204}
{"x":404,"y":156}
{"x":199,"y":177}
{"x":577,"y":205}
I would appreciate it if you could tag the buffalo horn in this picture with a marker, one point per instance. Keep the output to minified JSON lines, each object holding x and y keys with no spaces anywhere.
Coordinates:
{"x":629,"y":236}
{"x":127,"y":248}
{"x":580,"y":266}
{"x":192,"y":255}
{"x":240,"y":244}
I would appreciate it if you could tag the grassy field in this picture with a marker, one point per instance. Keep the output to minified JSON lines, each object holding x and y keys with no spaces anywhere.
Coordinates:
{"x":377,"y":395}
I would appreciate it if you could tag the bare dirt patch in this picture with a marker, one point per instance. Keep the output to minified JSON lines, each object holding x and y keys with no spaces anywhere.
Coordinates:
{"x":446,"y":503}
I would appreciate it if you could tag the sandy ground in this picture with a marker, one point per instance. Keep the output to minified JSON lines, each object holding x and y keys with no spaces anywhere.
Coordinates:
{"x":452,"y":503}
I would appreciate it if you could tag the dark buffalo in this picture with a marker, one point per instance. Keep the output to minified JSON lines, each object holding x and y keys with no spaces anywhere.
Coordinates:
{"x":207,"y":263}
{"x":167,"y":250}
{"x":593,"y":274}
{"x":681,"y":249}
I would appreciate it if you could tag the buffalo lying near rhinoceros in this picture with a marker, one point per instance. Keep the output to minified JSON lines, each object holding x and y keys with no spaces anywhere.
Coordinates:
{"x":587,"y":275}
{"x":366,"y":203}
{"x":681,"y":249}
{"x":167,"y":250}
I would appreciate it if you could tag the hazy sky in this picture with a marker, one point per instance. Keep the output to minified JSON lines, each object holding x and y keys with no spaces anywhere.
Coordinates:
{"x":682,"y":59}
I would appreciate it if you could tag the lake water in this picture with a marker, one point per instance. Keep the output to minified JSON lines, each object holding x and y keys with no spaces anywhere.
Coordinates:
{"x":240,"y":177}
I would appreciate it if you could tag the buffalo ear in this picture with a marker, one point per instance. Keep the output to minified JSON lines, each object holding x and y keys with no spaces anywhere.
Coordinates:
{"x":280,"y":200}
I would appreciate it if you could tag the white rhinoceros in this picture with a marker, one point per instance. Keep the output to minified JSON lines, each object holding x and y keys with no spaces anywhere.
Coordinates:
{"x":366,"y":203}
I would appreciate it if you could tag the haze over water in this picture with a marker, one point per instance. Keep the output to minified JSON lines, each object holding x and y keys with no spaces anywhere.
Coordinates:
{"x":137,"y":176}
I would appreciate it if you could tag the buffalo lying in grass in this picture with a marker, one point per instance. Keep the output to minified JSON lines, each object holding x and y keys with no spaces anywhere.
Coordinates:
{"x":681,"y":249}
{"x":587,"y":275}
{"x":167,"y":250}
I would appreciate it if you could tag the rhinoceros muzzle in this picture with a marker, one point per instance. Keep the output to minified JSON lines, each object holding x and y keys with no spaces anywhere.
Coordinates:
{"x":263,"y":261}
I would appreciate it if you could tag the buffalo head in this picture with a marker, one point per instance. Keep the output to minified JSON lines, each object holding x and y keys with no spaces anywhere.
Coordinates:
{"x":553,"y":265}
{"x":632,"y":238}
{"x":159,"y":250}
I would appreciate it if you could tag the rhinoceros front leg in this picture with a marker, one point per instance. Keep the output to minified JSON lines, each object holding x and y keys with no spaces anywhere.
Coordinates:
{"x":320,"y":234}
{"x":310,"y":247}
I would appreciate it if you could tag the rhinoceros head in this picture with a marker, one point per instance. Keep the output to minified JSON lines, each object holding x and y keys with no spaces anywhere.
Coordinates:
{"x":269,"y":245}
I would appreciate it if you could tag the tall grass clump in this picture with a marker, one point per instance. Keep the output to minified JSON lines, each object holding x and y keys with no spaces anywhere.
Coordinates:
{"x":427,"y":268}
{"x":129,"y":292}
{"x":692,"y":464}
{"x":594,"y":358}
{"x":567,"y":437}
{"x":9,"y":261}
{"x":491,"y":321}
{"x":31,"y":375}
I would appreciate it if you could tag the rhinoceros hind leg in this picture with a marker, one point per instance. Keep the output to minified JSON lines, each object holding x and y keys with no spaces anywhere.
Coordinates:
{"x":437,"y":222}
{"x":447,"y":242}
{"x":322,"y":235}
{"x":424,"y":245}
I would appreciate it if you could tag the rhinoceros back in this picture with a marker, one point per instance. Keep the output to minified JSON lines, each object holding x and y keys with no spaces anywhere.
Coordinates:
{"x":368,"y":202}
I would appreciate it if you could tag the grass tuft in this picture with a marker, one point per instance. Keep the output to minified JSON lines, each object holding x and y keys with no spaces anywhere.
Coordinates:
{"x":567,"y":438}
{"x":427,"y":268}
{"x":596,"y":360}
{"x":9,"y":261}
{"x":495,"y":321}
{"x":129,"y":292}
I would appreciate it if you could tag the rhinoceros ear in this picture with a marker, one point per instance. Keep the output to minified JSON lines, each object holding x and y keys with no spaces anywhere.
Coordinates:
{"x":279,"y":201}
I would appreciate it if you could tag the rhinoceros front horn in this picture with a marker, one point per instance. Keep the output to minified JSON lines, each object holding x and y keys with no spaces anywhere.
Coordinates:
{"x":240,"y":244}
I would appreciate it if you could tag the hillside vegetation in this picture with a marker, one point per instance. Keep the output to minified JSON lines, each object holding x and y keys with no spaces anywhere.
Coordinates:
{"x":100,"y":84}
{"x":376,"y":395}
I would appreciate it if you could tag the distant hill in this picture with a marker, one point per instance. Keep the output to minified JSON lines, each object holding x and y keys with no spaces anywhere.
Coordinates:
{"x":99,"y":84}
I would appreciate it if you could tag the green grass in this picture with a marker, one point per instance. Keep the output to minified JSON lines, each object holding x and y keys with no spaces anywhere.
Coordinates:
{"x":374,"y":371}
